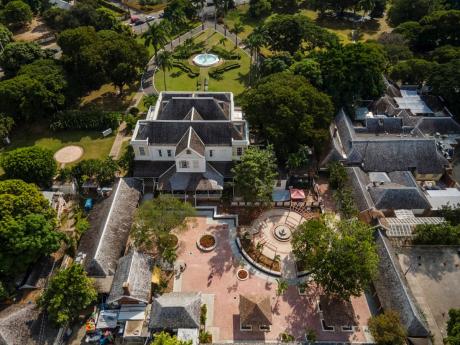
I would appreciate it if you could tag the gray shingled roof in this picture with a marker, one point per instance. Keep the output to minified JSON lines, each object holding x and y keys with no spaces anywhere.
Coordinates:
{"x":400,"y":191}
{"x":177,"y":108}
{"x":135,"y":269}
{"x":190,"y":140}
{"x":106,"y":239}
{"x":169,"y":133}
{"x":151,"y":168}
{"x":211,"y":179}
{"x":393,"y":291}
{"x":175,"y":310}
{"x":255,"y":310}
{"x":20,"y":324}
{"x":441,"y":125}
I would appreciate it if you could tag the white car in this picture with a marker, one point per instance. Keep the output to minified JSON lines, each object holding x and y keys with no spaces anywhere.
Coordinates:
{"x":150,"y":18}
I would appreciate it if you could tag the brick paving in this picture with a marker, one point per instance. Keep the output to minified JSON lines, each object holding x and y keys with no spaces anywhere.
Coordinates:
{"x":215,"y":273}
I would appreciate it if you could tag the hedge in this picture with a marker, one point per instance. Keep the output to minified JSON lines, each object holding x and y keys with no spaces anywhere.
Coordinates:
{"x":93,"y":119}
{"x":217,"y":72}
{"x":192,"y":72}
{"x":225,"y":54}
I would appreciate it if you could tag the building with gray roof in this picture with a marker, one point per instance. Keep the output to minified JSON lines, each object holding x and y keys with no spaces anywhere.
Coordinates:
{"x":386,"y":191}
{"x":105,"y":241}
{"x":199,"y":134}
{"x":393,"y":292}
{"x":385,"y":144}
{"x":22,"y":324}
{"x":132,"y":281}
{"x":174,"y":311}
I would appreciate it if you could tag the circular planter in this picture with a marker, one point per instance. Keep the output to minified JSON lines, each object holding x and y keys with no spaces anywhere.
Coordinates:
{"x":206,"y":243}
{"x":242,"y":274}
{"x":174,"y":241}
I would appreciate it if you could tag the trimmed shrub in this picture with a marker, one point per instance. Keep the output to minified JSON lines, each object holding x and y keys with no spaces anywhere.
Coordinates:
{"x":95,"y":119}
{"x":216,"y":72}
{"x":225,"y":54}
{"x":190,"y":70}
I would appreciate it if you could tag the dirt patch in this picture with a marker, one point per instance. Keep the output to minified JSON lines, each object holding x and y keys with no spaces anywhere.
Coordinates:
{"x":69,"y":154}
{"x":35,"y":31}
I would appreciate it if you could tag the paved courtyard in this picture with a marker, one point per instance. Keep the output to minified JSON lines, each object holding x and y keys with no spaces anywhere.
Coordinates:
{"x":214,"y":275}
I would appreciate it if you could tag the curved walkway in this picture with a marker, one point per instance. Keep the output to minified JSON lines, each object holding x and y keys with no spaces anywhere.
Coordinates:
{"x":147,"y":83}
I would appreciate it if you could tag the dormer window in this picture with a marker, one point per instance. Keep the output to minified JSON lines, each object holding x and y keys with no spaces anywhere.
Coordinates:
{"x":189,"y":152}
{"x":210,"y":153}
{"x":142,"y":151}
{"x":160,"y":153}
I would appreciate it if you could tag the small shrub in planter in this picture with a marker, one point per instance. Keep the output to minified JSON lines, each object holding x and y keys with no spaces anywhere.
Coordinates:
{"x":134,"y":111}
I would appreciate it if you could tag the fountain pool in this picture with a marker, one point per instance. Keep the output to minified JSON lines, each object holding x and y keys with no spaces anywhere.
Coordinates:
{"x":206,"y":60}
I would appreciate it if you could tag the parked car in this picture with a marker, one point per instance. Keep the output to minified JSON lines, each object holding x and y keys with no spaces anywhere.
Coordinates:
{"x":150,"y":18}
{"x":139,"y":22}
{"x":134,"y":19}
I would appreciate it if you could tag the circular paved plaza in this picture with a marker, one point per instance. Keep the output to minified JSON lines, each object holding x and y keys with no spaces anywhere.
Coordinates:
{"x":68,"y":154}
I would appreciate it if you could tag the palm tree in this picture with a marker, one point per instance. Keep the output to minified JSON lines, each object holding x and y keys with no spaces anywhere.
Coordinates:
{"x":157,"y":36}
{"x":165,"y":62}
{"x":237,"y":29}
{"x":254,"y":42}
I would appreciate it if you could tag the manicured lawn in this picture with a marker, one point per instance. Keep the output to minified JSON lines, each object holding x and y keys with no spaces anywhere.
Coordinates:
{"x":92,"y":142}
{"x":371,"y":30}
{"x":234,"y":80}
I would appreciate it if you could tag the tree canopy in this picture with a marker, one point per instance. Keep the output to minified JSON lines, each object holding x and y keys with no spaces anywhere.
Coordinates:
{"x":342,"y":260}
{"x":411,"y":10}
{"x":16,"y":13}
{"x":445,"y":81}
{"x":98,"y":170}
{"x":69,"y":292}
{"x":453,"y":327}
{"x":156,"y":218}
{"x":165,"y":338}
{"x":353,"y":72}
{"x":293,"y":32}
{"x":95,"y":58}
{"x":386,"y":329}
{"x":17,"y":54}
{"x":412,"y":71}
{"x":31,"y":164}
{"x":288,"y":112}
{"x":27,"y":224}
{"x":255,"y":175}
{"x":437,"y":234}
{"x":6,"y":36}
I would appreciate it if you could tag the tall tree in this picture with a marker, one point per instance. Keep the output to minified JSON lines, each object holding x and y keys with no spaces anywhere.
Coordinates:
{"x":386,"y":329}
{"x":254,"y":42}
{"x":69,"y":292}
{"x":17,"y":54}
{"x":255,"y":175}
{"x":288,"y":112}
{"x":413,"y":71}
{"x":411,"y":10}
{"x":165,"y":338}
{"x":343,"y":261}
{"x":16,"y":14}
{"x":237,"y":29}
{"x":353,"y":72}
{"x":164,"y":61}
{"x":6,"y":36}
{"x":259,"y":8}
{"x":157,"y":36}
{"x":156,"y":218}
{"x":453,"y":327}
{"x":445,"y":81}
{"x":31,"y":164}
{"x":27,"y":224}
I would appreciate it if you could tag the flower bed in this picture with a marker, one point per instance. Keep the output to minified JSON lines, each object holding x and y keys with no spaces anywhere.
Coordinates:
{"x":242,"y":274}
{"x":258,"y":257}
{"x":206,"y":243}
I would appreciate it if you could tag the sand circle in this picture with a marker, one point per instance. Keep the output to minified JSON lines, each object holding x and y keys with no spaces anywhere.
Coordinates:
{"x":68,"y":154}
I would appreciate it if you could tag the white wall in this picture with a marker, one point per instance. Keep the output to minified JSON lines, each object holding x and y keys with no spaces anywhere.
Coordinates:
{"x":196,"y":163}
{"x":219,"y":153}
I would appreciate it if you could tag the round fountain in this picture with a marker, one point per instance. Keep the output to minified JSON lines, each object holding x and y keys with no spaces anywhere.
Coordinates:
{"x":282,"y":232}
{"x":206,"y":60}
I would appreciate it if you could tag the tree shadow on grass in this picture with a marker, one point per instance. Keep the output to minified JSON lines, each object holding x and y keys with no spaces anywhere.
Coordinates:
{"x":370,"y":27}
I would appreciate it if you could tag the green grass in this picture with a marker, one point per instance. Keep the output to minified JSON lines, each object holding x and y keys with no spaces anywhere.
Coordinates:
{"x":234,"y":81}
{"x":92,"y":142}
